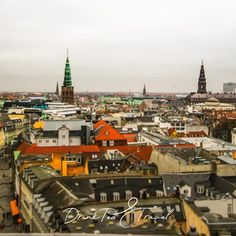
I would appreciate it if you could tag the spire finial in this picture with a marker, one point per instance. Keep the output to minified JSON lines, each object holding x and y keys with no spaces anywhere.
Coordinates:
{"x":202,"y":61}
{"x":67,"y":52}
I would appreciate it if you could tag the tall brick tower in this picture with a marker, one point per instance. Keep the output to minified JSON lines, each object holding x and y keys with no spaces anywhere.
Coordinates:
{"x":67,"y":90}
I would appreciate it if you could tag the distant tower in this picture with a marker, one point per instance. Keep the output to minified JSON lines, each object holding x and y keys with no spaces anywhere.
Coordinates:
{"x":57,"y":90}
{"x":202,"y":81}
{"x":144,"y":91}
{"x":67,"y":90}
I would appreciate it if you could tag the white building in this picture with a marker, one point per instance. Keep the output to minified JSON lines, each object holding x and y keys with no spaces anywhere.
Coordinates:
{"x":213,"y":104}
{"x":58,"y":110}
{"x":62,"y":133}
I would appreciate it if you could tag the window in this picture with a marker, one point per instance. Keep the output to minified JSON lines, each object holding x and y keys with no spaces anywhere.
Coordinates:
{"x":116,"y":196}
{"x":200,"y":189}
{"x":54,"y":140}
{"x":230,"y":208}
{"x":79,"y":160}
{"x":143,"y":194}
{"x":168,"y":208}
{"x":73,"y":158}
{"x":63,"y":136}
{"x":128,"y":194}
{"x":104,"y":143}
{"x":103,"y":197}
{"x":185,"y":191}
{"x":40,"y":140}
{"x":111,"y":142}
{"x":159,"y":193}
{"x":177,"y":208}
{"x":47,"y":141}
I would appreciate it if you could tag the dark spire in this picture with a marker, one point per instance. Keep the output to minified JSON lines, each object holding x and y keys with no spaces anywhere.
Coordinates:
{"x":67,"y":76}
{"x":57,"y":90}
{"x":144,"y":91}
{"x":202,"y":80}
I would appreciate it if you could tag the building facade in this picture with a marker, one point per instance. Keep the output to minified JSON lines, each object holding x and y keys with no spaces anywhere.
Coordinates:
{"x":229,"y":87}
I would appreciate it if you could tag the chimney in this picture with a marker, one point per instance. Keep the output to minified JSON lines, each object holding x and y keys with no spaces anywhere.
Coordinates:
{"x":223,"y":145}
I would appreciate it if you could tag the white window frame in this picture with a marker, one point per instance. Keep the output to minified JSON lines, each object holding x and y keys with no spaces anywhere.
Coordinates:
{"x":111,"y":143}
{"x":128,"y":194}
{"x":116,"y":196}
{"x":103,"y":197}
{"x":104,"y":143}
{"x":200,"y":189}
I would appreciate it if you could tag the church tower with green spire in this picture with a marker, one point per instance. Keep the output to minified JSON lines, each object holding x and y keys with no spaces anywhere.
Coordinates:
{"x":67,"y":90}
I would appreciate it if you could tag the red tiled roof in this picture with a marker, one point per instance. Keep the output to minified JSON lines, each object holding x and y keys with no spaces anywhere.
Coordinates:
{"x":99,"y":123}
{"x":197,"y":134}
{"x":130,"y":137}
{"x":106,"y":132}
{"x":190,"y":134}
{"x":25,"y":148}
{"x":142,"y":152}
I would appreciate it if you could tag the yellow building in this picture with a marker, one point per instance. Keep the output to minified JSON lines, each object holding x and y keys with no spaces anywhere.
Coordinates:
{"x":66,"y":165}
{"x":39,"y":124}
{"x":2,"y":136}
{"x":193,"y":219}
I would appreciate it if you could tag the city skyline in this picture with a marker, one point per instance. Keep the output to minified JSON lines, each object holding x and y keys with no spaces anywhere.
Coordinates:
{"x":117,"y":46}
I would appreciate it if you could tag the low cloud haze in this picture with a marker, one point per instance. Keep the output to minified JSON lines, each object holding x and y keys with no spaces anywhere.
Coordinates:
{"x":117,"y":45}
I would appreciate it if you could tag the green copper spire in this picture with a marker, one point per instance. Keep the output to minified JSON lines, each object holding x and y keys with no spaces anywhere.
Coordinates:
{"x":67,"y":76}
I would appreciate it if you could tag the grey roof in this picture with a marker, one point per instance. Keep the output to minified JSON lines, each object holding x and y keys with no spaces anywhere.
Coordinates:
{"x":227,"y":159}
{"x":215,"y":95}
{"x":170,"y":181}
{"x":211,"y":181}
{"x":43,"y":172}
{"x":53,"y":125}
{"x":105,"y":227}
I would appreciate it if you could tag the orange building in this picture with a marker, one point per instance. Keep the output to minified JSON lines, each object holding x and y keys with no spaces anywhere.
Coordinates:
{"x":68,"y":160}
{"x":105,"y":135}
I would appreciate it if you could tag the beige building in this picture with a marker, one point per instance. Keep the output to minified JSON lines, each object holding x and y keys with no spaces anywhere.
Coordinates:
{"x":213,"y":104}
{"x":233,"y":133}
{"x":170,"y":163}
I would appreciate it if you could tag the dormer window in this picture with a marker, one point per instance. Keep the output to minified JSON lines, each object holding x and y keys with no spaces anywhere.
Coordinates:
{"x":116,"y":196}
{"x":103,"y":197}
{"x":128,"y":194}
{"x":200,"y":189}
{"x":159,"y":193}
{"x":111,"y":142}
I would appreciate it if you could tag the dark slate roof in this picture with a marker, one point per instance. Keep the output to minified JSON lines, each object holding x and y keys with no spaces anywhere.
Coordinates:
{"x":170,"y":181}
{"x":221,"y":184}
{"x":62,"y":193}
{"x":104,"y":165}
{"x":106,"y":226}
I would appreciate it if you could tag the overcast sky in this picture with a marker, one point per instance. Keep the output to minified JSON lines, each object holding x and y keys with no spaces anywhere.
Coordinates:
{"x":117,"y":45}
